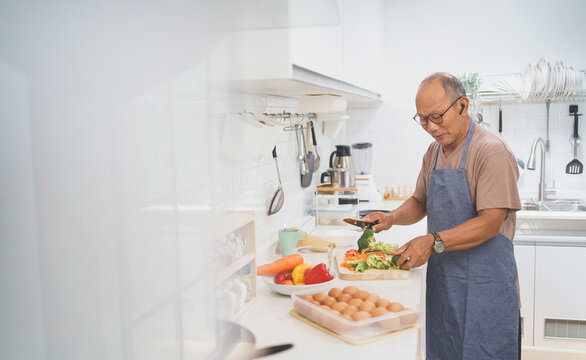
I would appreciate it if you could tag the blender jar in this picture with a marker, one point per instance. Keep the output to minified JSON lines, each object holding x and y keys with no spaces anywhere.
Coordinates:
{"x":362,"y":157}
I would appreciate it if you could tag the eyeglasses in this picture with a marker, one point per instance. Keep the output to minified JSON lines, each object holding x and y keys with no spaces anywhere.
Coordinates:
{"x":434,"y":118}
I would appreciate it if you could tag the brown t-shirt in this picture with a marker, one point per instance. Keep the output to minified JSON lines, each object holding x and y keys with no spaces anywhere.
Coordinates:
{"x":491,"y":170}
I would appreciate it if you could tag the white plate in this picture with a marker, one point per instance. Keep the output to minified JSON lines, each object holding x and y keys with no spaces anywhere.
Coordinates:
{"x":295,"y":289}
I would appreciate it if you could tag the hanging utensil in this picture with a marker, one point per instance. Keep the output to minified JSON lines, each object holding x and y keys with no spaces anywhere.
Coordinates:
{"x":279,"y":196}
{"x":547,"y":102}
{"x":310,"y":154}
{"x":316,"y":162}
{"x":575,"y":166}
{"x":306,"y":178}
{"x":303,"y":166}
{"x":500,"y":120}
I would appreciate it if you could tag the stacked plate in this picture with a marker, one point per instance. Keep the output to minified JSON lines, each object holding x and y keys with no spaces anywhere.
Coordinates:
{"x":543,"y":80}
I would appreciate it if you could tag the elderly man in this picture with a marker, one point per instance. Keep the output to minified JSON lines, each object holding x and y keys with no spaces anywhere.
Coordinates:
{"x":467,"y":187}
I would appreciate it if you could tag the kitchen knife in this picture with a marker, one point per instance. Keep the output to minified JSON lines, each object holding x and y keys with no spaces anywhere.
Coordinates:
{"x":360,"y":223}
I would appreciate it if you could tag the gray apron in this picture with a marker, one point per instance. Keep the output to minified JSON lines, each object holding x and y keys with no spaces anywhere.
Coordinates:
{"x":472,"y":302}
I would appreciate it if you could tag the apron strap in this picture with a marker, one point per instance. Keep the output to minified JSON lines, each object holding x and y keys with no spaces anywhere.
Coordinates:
{"x":466,"y":146}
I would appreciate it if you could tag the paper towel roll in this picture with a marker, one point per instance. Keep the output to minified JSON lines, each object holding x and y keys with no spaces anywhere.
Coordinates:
{"x":322,"y":103}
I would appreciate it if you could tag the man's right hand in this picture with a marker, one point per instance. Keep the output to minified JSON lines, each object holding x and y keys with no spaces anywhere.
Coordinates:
{"x":385,"y":220}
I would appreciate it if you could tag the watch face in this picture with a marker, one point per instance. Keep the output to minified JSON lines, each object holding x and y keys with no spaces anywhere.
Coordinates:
{"x":439,"y":246}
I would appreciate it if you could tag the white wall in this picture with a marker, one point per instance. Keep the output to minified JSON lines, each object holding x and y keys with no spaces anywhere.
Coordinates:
{"x":105,"y":196}
{"x":487,"y":37}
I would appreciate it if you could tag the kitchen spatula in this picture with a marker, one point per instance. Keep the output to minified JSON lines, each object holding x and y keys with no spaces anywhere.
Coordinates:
{"x":575,"y":166}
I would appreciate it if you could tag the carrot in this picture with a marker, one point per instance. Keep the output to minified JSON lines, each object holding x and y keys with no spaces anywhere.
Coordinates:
{"x":285,"y":264}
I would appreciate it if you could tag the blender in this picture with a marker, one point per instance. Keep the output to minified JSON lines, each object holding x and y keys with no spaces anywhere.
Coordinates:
{"x":362,"y":156}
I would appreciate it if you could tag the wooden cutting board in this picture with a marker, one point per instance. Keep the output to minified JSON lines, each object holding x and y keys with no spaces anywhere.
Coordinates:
{"x":370,"y":274}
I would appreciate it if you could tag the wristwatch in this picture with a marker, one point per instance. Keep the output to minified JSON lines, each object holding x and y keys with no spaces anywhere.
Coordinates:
{"x":438,"y":246}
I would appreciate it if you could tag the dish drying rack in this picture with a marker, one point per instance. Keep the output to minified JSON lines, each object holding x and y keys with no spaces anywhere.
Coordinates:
{"x":512,"y":87}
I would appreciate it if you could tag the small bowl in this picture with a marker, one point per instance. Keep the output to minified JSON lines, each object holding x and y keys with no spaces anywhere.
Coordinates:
{"x":315,"y":254}
{"x":344,"y":237}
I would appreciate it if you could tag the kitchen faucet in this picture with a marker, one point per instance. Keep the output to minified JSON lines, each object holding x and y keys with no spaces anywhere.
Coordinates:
{"x":531,"y":166}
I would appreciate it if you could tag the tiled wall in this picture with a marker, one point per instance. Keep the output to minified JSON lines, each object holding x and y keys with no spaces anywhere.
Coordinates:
{"x":399,"y":143}
{"x":251,"y":183}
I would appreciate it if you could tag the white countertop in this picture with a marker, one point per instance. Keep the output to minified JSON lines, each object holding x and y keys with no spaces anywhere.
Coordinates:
{"x":269,"y":319}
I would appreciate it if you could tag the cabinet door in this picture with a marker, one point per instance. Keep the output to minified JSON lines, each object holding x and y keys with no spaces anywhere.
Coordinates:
{"x":525,"y":258}
{"x":560,"y":295}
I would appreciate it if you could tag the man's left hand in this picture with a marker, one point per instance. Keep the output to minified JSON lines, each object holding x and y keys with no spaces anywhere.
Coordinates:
{"x":415,"y":253}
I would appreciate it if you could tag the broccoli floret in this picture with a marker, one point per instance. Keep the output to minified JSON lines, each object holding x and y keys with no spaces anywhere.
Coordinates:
{"x":358,"y":265}
{"x":375,"y":262}
{"x":394,"y":261}
{"x":384,"y":247}
{"x":366,"y":240}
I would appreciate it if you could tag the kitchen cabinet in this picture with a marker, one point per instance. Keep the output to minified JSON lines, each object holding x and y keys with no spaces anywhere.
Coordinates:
{"x":560,"y":295}
{"x":344,"y":59}
{"x":525,"y":258}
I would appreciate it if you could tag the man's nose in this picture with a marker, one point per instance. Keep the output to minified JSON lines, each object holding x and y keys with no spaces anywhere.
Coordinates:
{"x":431,"y":126}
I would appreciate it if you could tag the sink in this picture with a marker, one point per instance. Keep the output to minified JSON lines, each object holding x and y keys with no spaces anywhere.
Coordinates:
{"x":555,"y":205}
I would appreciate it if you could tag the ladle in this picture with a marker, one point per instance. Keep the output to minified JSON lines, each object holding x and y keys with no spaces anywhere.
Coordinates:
{"x":279,"y":196}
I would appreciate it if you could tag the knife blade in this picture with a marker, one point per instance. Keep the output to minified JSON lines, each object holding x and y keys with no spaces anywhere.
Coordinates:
{"x":360,"y":223}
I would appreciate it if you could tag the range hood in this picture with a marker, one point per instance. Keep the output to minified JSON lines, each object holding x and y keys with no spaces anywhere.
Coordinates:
{"x":303,"y":81}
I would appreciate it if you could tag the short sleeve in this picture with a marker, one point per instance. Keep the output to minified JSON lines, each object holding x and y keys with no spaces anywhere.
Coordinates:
{"x":496,"y":186}
{"x":420,"y":193}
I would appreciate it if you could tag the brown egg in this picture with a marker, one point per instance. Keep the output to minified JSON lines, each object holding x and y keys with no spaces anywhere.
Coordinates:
{"x":366,"y":306}
{"x":315,"y":302}
{"x":345,"y":298}
{"x":335,"y":292}
{"x":355,"y":302}
{"x":335,"y":312}
{"x":339,"y":325}
{"x":379,"y":311}
{"x":305,"y":297}
{"x":372,"y":297}
{"x":408,"y":319}
{"x":340,"y":305}
{"x":361,"y":294}
{"x":328,"y":301}
{"x":300,"y":307}
{"x":390,"y":324}
{"x":395,"y":307}
{"x":347,"y":317}
{"x":349,"y":310}
{"x":319,"y":297}
{"x":324,"y":319}
{"x":350,"y":290}
{"x":361,"y":315}
{"x":382,"y":302}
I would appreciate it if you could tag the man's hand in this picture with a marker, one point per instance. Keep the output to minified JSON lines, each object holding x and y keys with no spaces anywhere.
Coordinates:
{"x":385,"y":221}
{"x":415,"y":253}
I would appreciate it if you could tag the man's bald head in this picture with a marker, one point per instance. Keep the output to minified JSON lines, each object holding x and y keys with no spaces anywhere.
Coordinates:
{"x":451,"y":84}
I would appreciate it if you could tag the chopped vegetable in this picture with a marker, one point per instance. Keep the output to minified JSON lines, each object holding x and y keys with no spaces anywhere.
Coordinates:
{"x":375,"y":262}
{"x":367,"y":243}
{"x":394,"y":261}
{"x":384,"y":247}
{"x":358,"y":265}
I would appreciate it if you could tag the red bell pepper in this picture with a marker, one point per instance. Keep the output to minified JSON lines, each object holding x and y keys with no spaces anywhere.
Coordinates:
{"x":318,"y":274}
